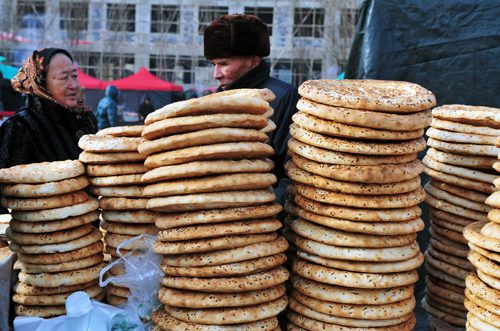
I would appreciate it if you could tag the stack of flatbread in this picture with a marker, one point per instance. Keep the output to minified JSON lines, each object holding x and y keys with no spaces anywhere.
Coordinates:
{"x":460,"y":162}
{"x":115,"y":168}
{"x":210,"y":181}
{"x":59,"y":251}
{"x":482,"y":290}
{"x":353,"y":206}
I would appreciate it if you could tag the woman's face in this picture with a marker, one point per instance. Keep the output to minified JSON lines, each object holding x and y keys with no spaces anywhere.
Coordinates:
{"x":62,"y":80}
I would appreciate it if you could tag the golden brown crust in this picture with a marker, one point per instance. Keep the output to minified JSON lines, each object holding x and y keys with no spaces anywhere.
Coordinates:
{"x":39,"y":173}
{"x":105,"y":158}
{"x":122,"y":131}
{"x":474,"y":115}
{"x":73,"y":255}
{"x":479,"y":162}
{"x":62,"y":278}
{"x":87,"y":206}
{"x":102,"y":170}
{"x":56,"y":237}
{"x":46,"y":189}
{"x":59,"y":267}
{"x":59,"y":201}
{"x":116,"y":180}
{"x":465,"y":149}
{"x":122,"y":203}
{"x":104,"y":143}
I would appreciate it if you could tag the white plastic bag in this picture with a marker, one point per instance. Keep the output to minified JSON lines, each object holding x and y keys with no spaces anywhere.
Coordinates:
{"x":142,"y":277}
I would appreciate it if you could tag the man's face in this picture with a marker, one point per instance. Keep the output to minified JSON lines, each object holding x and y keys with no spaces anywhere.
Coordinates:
{"x":228,"y":69}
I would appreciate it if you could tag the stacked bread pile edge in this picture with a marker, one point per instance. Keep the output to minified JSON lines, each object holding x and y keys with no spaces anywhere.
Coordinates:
{"x":482,"y":287}
{"x":353,"y":205}
{"x":114,"y":168}
{"x":59,"y":251}
{"x":211,"y":183}
{"x":460,"y":163}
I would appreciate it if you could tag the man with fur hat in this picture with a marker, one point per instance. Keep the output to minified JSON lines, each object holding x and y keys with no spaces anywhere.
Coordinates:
{"x":236,"y":44}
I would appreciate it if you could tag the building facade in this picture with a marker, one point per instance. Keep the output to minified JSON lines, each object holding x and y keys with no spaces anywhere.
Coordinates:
{"x":112,"y":39}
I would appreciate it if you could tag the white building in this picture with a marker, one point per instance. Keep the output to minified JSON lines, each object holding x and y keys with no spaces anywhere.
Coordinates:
{"x":110,"y":39}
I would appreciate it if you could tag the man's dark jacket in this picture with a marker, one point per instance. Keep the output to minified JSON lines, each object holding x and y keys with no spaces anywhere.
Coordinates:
{"x":285,"y":105}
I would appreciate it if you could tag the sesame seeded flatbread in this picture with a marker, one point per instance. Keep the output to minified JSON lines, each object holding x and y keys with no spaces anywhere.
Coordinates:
{"x":105,"y":158}
{"x":62,"y":278}
{"x":39,"y":173}
{"x":25,"y":289}
{"x":479,"y":162}
{"x":130,"y":216}
{"x":473,"y":234}
{"x":59,"y":201}
{"x":479,"y":186}
{"x":465,"y":149}
{"x":122,"y":203}
{"x":103,"y":170}
{"x":122,"y":131}
{"x":105,"y":144}
{"x":55,"y":237}
{"x":466,"y":138}
{"x":45,"y":189}
{"x":56,"y":213}
{"x":73,"y":255}
{"x":473,"y":115}
{"x":59,"y":267}
{"x":464,"y":128}
{"x":51,"y":226}
{"x":116,"y":180}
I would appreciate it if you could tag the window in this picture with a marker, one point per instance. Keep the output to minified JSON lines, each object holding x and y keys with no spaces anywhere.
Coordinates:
{"x":164,"y":19}
{"x":208,"y":14}
{"x":264,"y":13}
{"x":175,"y":69}
{"x":88,"y":62}
{"x":74,"y":15}
{"x":348,"y":21}
{"x":296,"y":71}
{"x":120,"y":17}
{"x":31,"y":14}
{"x":116,"y":66}
{"x":309,"y":22}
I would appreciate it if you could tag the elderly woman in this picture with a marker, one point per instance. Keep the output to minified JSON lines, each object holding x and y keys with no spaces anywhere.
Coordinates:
{"x":54,"y":118}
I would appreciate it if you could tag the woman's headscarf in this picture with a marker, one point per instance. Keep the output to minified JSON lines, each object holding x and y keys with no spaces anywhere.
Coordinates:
{"x":32,"y":77}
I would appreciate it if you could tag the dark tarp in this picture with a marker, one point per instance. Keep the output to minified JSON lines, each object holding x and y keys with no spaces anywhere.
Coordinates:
{"x":449,"y":47}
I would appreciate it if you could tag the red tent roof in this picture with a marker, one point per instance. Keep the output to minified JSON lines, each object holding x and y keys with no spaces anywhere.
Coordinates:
{"x":143,"y":80}
{"x":89,"y":82}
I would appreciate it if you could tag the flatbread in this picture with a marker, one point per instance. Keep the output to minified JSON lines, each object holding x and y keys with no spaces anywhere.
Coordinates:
{"x":479,"y":162}
{"x":62,"y":278}
{"x":448,"y":245}
{"x":331,"y":236}
{"x":404,"y":200}
{"x":458,"y":171}
{"x":455,"y":199}
{"x":299,"y":175}
{"x":105,"y":158}
{"x":456,"y":190}
{"x":190,"y":299}
{"x":464,"y":128}
{"x":114,"y":240}
{"x":262,"y":225}
{"x":226,"y":256}
{"x":300,"y":323}
{"x":444,"y":292}
{"x":473,"y":234}
{"x":484,"y":264}
{"x":491,"y":230}
{"x":130,"y":216}
{"x":494,"y":200}
{"x":210,"y":184}
{"x":206,"y":216}
{"x":372,"y":267}
{"x":59,"y":267}
{"x":253,"y":282}
{"x":448,"y":217}
{"x":448,"y":225}
{"x":484,"y":314}
{"x":200,"y":106}
{"x":341,"y":158}
{"x":105,"y":144}
{"x":369,"y":312}
{"x":494,"y":215}
{"x":350,"y":295}
{"x":25,"y":289}
{"x":443,"y":275}
{"x":56,"y":213}
{"x":488,"y":279}
{"x":93,"y":236}
{"x":116,"y":180}
{"x":46,"y":189}
{"x":165,"y":321}
{"x":118,"y":291}
{"x":464,"y":149}
{"x":379,"y":228}
{"x":450,"y":234}
{"x":128,"y":228}
{"x":171,"y":126}
{"x":122,"y":203}
{"x":482,"y":303}
{"x":330,"y":128}
{"x":460,"y":181}
{"x":456,"y":271}
{"x":210,"y":200}
{"x":390,"y":254}
{"x":466,"y":138}
{"x":234,"y":315}
{"x":473,"y":115}
{"x":40,"y":311}
{"x":442,"y":315}
{"x":202,"y":137}
{"x":478,"y":324}
{"x":459,"y":306}
{"x":240,"y":268}
{"x":357,"y":214}
{"x":379,"y":95}
{"x":122,"y":131}
{"x":271,"y":126}
{"x":103,"y":170}
{"x":379,"y":174}
{"x":480,"y":289}
{"x":454,"y":209}
{"x":40,"y":173}
{"x":366,"y":118}
{"x":224,"y":151}
{"x":210,"y":244}
{"x":354,"y":322}
{"x":490,"y":255}
{"x":56,"y":237}
{"x":350,"y":279}
{"x":59,"y":201}
{"x":53,"y":258}
{"x":445,"y":284}
{"x":132,"y":191}
{"x":205,"y":168}
{"x":57,"y":225}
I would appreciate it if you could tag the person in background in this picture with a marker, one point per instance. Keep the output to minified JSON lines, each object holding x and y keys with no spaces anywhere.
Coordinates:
{"x":145,"y":108}
{"x":54,"y":117}
{"x":107,"y":109}
{"x":237,"y":44}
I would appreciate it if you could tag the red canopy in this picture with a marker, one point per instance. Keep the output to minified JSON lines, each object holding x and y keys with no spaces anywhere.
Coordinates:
{"x":89,"y":82}
{"x":143,"y":80}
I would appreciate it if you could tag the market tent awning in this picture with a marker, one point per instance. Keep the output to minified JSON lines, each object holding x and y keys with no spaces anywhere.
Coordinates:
{"x":90,"y":82}
{"x":144,"y":80}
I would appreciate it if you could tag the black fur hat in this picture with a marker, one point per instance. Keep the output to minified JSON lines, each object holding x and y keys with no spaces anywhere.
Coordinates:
{"x":231,"y":35}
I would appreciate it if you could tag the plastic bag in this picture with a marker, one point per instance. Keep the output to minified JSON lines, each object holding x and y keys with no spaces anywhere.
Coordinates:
{"x":142,"y":277}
